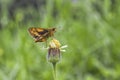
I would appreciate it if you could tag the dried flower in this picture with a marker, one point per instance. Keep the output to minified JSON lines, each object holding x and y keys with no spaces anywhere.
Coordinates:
{"x":54,"y":51}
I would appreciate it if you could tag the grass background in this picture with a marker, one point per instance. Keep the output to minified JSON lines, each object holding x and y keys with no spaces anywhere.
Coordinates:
{"x":90,"y":28}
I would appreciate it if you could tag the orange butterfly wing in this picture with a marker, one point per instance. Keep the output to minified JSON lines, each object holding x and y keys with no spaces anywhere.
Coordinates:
{"x":41,"y":34}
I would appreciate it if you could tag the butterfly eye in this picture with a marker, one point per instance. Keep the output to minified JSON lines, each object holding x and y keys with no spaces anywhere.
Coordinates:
{"x":54,"y":29}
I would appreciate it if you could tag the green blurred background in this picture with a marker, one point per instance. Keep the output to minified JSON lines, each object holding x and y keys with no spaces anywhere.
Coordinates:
{"x":90,"y":28}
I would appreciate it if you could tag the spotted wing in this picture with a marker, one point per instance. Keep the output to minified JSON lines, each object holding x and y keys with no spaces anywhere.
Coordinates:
{"x":39,"y":34}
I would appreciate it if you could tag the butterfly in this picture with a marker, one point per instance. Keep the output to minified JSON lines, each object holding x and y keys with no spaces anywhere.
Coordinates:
{"x":41,"y":34}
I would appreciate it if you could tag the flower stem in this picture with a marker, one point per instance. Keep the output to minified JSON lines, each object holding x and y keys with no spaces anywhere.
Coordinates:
{"x":54,"y":70}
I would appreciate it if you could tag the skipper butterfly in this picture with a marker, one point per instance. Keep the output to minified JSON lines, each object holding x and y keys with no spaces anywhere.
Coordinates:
{"x":41,"y":34}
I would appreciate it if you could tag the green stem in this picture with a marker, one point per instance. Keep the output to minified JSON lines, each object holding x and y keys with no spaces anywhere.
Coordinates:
{"x":54,"y":70}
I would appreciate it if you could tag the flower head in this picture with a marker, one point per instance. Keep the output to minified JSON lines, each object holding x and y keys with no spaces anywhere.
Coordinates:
{"x":54,"y":51}
{"x":54,"y":43}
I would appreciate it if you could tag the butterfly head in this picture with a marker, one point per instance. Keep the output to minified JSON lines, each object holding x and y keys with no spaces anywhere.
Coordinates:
{"x":54,"y":29}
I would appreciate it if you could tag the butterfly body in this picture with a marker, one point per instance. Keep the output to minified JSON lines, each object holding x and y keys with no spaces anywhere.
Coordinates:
{"x":41,"y":34}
